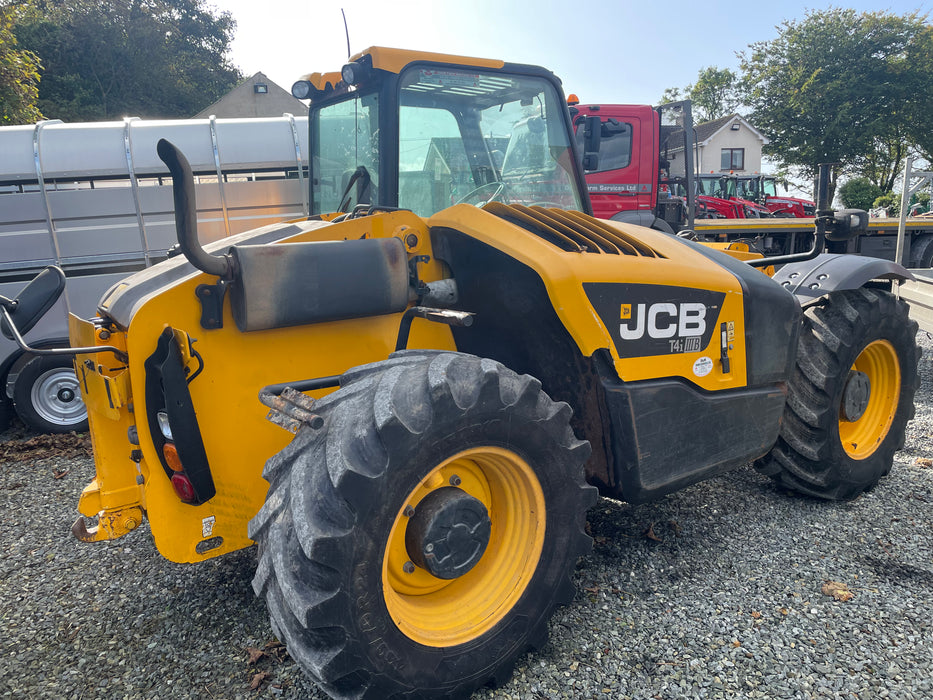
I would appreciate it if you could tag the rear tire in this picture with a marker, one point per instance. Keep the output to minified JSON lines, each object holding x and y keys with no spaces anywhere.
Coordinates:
{"x":850,"y":397}
{"x":47,"y":396}
{"x":336,"y":569}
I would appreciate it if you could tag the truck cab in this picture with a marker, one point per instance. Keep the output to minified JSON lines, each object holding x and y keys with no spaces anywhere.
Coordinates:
{"x":639,"y":166}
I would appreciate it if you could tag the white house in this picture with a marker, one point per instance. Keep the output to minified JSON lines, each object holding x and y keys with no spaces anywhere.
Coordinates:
{"x":728,"y":144}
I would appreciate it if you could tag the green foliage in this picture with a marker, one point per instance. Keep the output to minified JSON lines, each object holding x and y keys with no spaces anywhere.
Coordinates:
{"x":671,"y":94}
{"x":715,"y":93}
{"x":105,"y":59}
{"x":919,"y":114}
{"x":837,"y":87}
{"x":859,"y":193}
{"x":19,"y":75}
{"x":891,"y":202}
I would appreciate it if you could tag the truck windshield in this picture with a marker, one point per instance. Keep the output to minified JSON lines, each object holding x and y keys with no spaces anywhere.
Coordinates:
{"x":473,"y":136}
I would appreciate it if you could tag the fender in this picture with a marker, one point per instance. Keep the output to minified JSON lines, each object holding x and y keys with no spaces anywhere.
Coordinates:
{"x":830,"y":272}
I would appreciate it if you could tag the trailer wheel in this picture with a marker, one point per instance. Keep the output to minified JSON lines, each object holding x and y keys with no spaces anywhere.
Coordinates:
{"x":850,"y":397}
{"x":47,"y":396}
{"x":921,"y":252}
{"x":418,"y":542}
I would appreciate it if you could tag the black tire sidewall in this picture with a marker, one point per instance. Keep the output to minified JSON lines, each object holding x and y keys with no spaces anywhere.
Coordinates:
{"x":390,"y":651}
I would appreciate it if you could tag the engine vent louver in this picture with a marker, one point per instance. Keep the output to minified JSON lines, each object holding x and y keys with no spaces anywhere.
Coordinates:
{"x":572,"y":231}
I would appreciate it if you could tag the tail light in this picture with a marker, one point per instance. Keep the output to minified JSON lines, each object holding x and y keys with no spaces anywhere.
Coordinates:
{"x":173,"y":423}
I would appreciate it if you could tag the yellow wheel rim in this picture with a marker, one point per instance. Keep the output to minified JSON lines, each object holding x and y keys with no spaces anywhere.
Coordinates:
{"x":860,"y":438}
{"x":440,"y":613}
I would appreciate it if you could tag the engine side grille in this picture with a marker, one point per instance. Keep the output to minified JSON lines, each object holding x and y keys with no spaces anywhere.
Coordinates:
{"x":572,"y":231}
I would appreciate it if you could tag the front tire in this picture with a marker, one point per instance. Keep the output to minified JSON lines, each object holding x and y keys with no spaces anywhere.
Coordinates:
{"x":379,"y":568}
{"x":850,"y":397}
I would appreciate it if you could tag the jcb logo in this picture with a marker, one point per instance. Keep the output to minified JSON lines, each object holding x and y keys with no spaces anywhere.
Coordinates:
{"x":662,"y":320}
{"x":655,"y":319}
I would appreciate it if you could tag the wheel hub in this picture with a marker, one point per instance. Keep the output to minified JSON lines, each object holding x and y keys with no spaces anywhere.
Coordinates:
{"x":855,"y":396}
{"x":448,"y":532}
{"x":66,"y":395}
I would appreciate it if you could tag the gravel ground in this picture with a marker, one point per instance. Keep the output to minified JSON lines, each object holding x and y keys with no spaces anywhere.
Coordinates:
{"x":714,"y":592}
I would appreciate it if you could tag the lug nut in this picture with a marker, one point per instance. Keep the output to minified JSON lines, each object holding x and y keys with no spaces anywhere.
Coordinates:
{"x":455,"y":480}
{"x":408,"y":567}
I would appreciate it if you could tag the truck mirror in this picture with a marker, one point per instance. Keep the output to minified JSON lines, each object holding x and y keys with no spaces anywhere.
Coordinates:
{"x":591,"y":135}
{"x":846,"y":224}
{"x":36,"y":298}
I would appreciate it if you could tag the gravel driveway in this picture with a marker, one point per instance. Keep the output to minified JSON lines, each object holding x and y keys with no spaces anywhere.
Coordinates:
{"x":714,"y":592}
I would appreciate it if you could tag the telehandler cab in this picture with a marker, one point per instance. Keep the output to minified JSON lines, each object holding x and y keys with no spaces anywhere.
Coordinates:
{"x":466,"y":357}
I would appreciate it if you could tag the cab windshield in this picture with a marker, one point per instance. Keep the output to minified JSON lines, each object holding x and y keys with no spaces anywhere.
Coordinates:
{"x":474,"y":137}
{"x":463,"y":136}
{"x":716,"y":186}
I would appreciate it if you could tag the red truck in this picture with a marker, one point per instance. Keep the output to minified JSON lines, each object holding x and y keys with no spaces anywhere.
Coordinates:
{"x":639,"y":167}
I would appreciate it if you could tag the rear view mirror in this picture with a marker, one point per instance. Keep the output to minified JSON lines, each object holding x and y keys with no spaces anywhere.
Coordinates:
{"x":33,"y":301}
{"x":846,"y":224}
{"x":592,"y":130}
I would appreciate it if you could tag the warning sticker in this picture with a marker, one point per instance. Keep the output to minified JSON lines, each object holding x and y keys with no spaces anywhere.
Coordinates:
{"x":702,"y":366}
{"x":207,"y":526}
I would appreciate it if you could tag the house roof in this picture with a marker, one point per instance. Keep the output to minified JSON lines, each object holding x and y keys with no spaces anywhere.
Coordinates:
{"x":705,"y":131}
{"x":248,"y":100}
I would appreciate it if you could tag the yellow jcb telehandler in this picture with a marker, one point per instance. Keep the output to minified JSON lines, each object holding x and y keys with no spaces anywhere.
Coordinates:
{"x":466,"y":358}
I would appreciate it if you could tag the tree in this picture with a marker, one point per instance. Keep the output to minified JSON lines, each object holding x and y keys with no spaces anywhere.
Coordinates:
{"x":882,"y":164}
{"x":715,"y":93}
{"x":919,"y":126}
{"x":859,"y":193}
{"x":835,"y":87}
{"x":671,"y":94}
{"x":19,"y":75}
{"x":105,"y":59}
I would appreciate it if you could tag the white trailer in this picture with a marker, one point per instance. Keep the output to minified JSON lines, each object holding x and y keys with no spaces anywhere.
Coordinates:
{"x":96,"y":200}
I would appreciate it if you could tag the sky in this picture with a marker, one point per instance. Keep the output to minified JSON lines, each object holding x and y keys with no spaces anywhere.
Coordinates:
{"x":606,"y":51}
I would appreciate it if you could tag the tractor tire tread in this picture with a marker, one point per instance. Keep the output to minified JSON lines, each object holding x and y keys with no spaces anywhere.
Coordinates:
{"x":808,"y":456}
{"x":325,"y":478}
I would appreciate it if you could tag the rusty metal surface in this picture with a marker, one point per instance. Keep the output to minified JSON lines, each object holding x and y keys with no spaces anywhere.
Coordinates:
{"x":291,"y":409}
